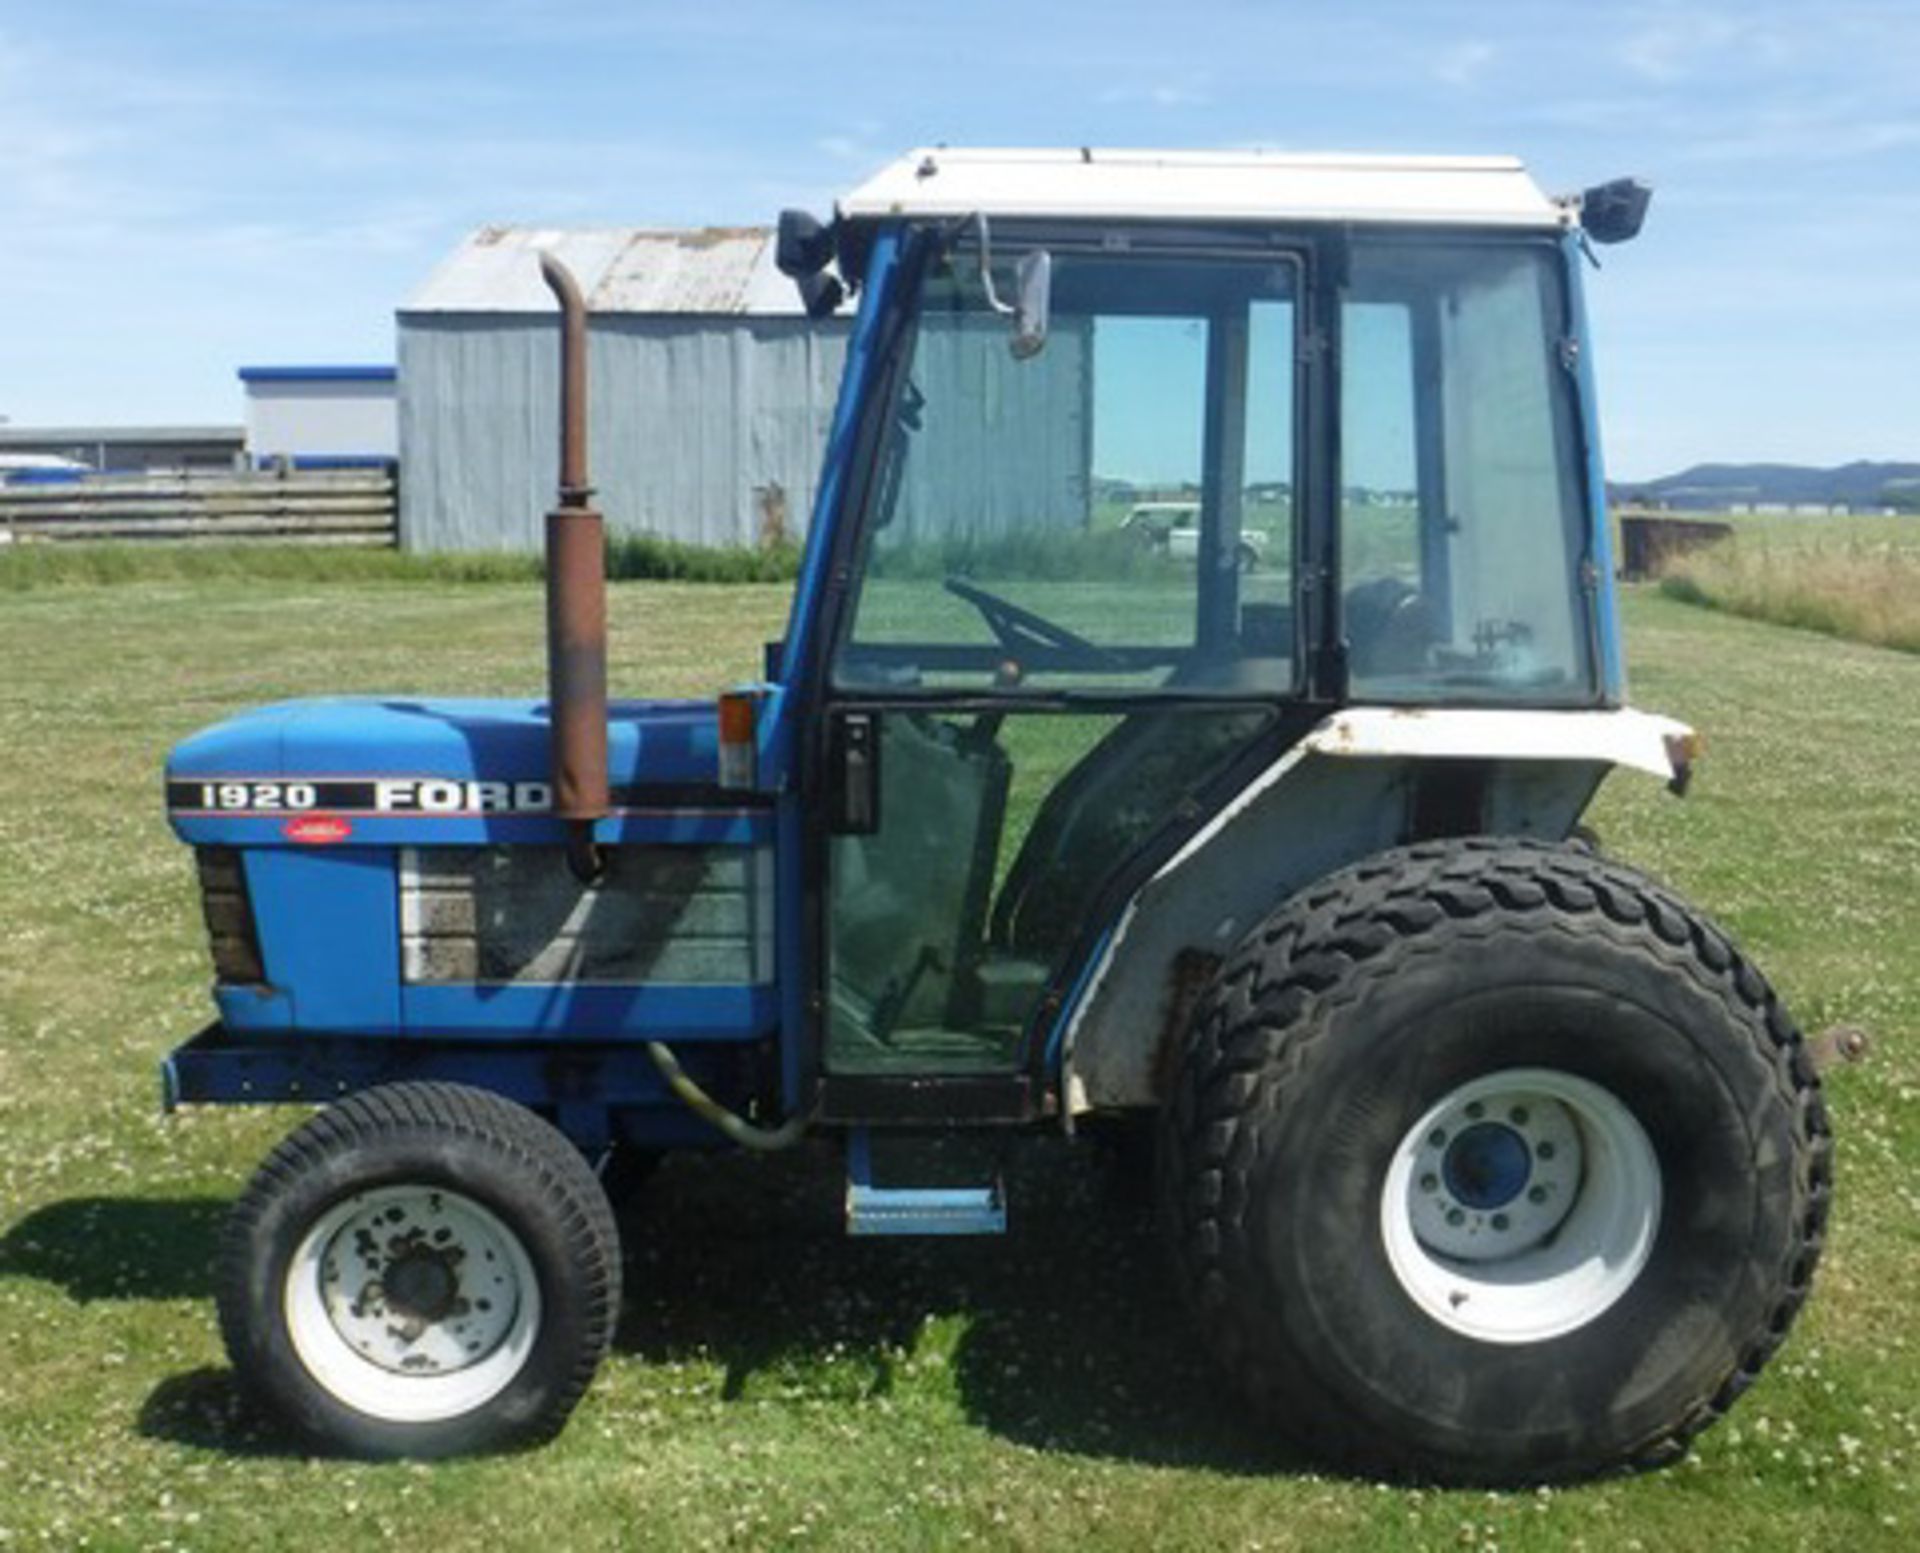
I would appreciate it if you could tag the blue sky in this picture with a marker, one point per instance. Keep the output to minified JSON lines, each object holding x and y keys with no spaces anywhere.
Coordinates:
{"x":193,"y":184}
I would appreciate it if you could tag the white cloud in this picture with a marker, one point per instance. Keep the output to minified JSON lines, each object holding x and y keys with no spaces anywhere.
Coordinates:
{"x":1462,"y":64}
{"x":1822,"y":135}
{"x":855,"y":150}
{"x":1679,"y":45}
{"x":1187,"y":92}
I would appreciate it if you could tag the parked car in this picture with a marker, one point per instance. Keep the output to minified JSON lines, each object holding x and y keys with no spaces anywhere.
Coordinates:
{"x":38,"y":469}
{"x":1175,"y":527}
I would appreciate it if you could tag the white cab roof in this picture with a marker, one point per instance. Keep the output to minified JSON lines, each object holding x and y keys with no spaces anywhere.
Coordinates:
{"x":1208,"y":185}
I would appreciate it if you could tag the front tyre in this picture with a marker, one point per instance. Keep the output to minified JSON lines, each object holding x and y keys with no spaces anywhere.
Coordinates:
{"x":1489,"y":1161}
{"x":421,"y":1270}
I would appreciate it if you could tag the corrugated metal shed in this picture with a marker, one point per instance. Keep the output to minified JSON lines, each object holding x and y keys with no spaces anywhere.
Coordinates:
{"x":710,"y":395}
{"x":710,"y":391}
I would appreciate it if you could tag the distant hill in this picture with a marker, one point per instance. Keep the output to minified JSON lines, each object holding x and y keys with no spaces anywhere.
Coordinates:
{"x":1861,"y":485}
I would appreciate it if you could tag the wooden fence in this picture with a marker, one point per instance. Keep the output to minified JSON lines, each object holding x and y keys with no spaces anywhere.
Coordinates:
{"x":309,"y":507}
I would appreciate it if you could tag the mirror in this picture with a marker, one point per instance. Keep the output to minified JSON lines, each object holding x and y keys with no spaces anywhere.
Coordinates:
{"x":803,"y":245}
{"x":1613,"y":212}
{"x":1033,"y":302}
{"x":803,"y":248}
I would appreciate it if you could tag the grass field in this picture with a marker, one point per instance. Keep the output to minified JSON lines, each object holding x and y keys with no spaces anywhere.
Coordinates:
{"x":775,"y":1384}
{"x":35,"y":565}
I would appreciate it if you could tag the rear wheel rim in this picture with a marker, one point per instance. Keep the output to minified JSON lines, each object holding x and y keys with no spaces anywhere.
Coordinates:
{"x":1521,"y":1206}
{"x":411,"y":1303}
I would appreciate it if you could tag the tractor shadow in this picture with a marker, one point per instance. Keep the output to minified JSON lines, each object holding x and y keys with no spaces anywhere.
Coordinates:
{"x":118,"y":1248}
{"x":1066,"y":1334}
{"x":208,"y":1409}
{"x":147,"y":1248}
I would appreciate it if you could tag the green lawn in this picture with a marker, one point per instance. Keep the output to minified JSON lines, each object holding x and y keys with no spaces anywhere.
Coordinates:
{"x":775,"y":1383}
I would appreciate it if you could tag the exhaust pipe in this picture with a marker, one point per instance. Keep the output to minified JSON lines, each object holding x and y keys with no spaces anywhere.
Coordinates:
{"x":576,"y":601}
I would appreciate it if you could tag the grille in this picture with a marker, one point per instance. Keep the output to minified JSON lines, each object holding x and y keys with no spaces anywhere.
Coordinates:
{"x":229,"y":913}
{"x":659,"y":914}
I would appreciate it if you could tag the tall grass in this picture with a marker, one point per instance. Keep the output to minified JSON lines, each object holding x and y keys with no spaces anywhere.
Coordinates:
{"x":25,"y":567}
{"x":1865,"y":590}
{"x":637,"y":557}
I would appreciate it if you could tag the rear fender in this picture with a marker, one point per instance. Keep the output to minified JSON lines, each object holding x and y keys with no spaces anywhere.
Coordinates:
{"x":1363,"y":780}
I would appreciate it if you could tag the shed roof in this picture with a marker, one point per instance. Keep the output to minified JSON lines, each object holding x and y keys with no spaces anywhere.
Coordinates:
{"x":1208,"y":185}
{"x":703,"y":270}
{"x":145,"y":436}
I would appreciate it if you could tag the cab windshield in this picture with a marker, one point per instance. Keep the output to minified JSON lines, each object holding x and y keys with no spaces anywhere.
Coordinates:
{"x":1112,"y":515}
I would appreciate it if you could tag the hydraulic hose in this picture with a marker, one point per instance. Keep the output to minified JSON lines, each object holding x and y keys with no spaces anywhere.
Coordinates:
{"x":765,"y":1139}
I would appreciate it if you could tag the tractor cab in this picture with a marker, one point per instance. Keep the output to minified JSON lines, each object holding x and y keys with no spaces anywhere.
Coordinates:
{"x":1367,"y":432}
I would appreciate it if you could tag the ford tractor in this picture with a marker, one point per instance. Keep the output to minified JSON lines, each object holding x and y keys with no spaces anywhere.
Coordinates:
{"x":1482,"y":1157}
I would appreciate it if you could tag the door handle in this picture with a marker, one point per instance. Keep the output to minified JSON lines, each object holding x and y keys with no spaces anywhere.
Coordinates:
{"x":854,"y":771}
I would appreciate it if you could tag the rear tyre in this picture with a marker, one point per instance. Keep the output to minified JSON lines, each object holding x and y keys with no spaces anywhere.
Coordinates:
{"x":421,"y":1270}
{"x":1489,"y":1161}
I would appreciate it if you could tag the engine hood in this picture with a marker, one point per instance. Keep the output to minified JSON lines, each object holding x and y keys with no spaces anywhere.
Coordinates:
{"x":673,"y":742}
{"x":385,"y":759}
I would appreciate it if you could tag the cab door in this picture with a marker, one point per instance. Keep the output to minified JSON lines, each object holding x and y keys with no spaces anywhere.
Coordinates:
{"x":1026,"y":689}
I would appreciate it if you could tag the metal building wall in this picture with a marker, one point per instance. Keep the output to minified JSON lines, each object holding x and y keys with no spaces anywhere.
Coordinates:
{"x":1005,"y":446}
{"x":320,"y":419}
{"x":694,"y":422}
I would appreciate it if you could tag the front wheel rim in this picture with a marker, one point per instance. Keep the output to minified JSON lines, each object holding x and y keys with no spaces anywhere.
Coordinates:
{"x":1521,"y":1206}
{"x":411,"y":1303}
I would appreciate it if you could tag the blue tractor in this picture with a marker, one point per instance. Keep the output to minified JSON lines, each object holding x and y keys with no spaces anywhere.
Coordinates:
{"x":1481,"y":1156}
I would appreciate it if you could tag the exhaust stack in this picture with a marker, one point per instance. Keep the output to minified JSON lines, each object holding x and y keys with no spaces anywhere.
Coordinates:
{"x":576,"y":600}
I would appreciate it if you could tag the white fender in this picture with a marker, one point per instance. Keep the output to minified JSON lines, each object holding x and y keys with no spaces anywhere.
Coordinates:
{"x":1311,"y":812}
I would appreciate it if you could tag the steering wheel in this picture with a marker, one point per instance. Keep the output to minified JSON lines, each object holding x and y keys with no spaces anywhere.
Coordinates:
{"x":1018,"y":629}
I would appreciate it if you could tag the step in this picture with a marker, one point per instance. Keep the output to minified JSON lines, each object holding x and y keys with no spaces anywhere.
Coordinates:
{"x":917,"y":1210}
